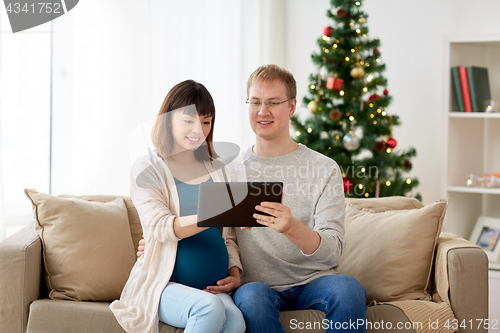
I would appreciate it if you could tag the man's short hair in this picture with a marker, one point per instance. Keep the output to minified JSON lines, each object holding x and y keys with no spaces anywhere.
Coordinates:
{"x":270,"y":73}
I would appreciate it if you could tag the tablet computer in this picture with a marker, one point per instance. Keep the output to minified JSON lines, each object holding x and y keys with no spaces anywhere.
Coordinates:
{"x":232,"y":204}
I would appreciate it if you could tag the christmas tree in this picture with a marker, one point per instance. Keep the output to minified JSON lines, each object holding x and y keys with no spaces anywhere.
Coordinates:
{"x":348,"y":98}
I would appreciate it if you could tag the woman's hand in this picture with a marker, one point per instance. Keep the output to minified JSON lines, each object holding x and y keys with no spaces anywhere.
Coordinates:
{"x":228,"y":284}
{"x":140,"y":249}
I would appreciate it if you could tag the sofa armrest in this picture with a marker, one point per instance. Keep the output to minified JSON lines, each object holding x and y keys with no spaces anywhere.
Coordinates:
{"x":461,"y":280}
{"x":20,"y":277}
{"x":468,"y":278}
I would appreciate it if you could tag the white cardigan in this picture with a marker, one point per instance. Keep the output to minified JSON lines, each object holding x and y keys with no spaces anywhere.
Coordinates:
{"x":155,"y":197}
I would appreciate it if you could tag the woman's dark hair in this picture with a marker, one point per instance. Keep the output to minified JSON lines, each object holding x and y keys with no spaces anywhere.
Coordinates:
{"x":184,"y":94}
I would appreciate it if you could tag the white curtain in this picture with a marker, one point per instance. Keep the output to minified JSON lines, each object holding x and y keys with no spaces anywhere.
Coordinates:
{"x":113,"y":67}
{"x":113,"y":62}
{"x":24,"y":120}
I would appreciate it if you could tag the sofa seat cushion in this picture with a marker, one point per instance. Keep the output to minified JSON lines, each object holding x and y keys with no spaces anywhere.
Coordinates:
{"x":59,"y":316}
{"x":379,"y":319}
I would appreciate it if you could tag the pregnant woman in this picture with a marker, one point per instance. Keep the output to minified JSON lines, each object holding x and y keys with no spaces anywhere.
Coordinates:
{"x":169,"y":282}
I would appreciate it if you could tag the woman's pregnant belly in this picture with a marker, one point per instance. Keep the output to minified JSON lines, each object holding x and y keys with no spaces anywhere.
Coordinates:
{"x":201,"y":260}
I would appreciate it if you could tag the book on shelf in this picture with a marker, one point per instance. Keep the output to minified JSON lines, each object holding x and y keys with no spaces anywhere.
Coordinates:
{"x":479,"y":87}
{"x":465,"y":88}
{"x":455,"y":75}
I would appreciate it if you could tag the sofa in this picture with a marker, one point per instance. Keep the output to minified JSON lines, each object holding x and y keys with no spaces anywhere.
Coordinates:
{"x":456,"y":276}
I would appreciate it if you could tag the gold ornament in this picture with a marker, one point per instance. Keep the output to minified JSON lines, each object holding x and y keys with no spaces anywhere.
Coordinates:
{"x":357,"y":71}
{"x":313,"y":106}
{"x":362,"y":20}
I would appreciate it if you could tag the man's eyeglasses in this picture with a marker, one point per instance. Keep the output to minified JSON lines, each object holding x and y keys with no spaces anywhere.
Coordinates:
{"x":270,"y":104}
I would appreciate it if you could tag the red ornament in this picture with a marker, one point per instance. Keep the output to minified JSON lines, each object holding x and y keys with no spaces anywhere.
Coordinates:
{"x":347,"y":184}
{"x":341,"y":13}
{"x":373,"y":97}
{"x":328,"y":31}
{"x":391,"y":143}
{"x":334,"y":83}
{"x":386,"y":92}
{"x":376,"y":50}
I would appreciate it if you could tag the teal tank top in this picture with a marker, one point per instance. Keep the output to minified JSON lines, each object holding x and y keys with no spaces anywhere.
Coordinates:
{"x":201,"y":259}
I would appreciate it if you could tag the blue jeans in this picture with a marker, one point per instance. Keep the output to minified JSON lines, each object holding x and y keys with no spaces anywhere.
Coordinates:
{"x":340,"y":297}
{"x":199,"y":311}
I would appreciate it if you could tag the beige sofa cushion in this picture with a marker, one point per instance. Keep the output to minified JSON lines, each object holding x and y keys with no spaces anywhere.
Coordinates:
{"x":385,"y":203}
{"x":87,"y":247}
{"x":391,"y":252}
{"x":133,"y":216}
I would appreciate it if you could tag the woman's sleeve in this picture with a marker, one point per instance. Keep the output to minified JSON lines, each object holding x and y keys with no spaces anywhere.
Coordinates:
{"x":229,"y":235}
{"x":233,"y":251}
{"x":147,"y":190}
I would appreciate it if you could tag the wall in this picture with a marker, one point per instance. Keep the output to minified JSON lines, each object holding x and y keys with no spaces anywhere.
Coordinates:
{"x":411,"y":34}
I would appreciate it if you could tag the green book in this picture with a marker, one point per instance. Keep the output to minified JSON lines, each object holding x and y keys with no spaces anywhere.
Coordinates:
{"x":458,"y":88}
{"x":479,"y":87}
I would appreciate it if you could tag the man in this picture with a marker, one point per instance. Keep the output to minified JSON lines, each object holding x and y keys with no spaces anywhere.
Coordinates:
{"x":291,"y":264}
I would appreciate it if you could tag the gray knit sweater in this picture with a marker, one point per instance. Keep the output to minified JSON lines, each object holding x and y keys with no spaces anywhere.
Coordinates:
{"x":314,"y":192}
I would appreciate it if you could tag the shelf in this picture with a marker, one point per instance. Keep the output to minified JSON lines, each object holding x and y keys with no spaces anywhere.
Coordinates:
{"x":483,"y":115}
{"x":495,"y":267}
{"x":481,"y":190}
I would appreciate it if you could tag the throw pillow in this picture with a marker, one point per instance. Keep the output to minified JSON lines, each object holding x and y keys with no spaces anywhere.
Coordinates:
{"x":391,"y":253}
{"x":133,"y":217}
{"x":385,"y":203}
{"x":87,"y":247}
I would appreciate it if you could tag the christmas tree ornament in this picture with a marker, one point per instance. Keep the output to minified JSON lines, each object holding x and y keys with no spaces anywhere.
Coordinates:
{"x":351,"y":141}
{"x":334,"y":83}
{"x":347,"y":184}
{"x":313,"y":106}
{"x":323,"y":71}
{"x":335,"y":114}
{"x":379,"y":146}
{"x":341,"y":13}
{"x":376,"y":51}
{"x":407,"y":165}
{"x":357,"y":71}
{"x":362,"y":20}
{"x":328,"y":31}
{"x":391,"y":143}
{"x":373,"y":97}
{"x":386,"y":92}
